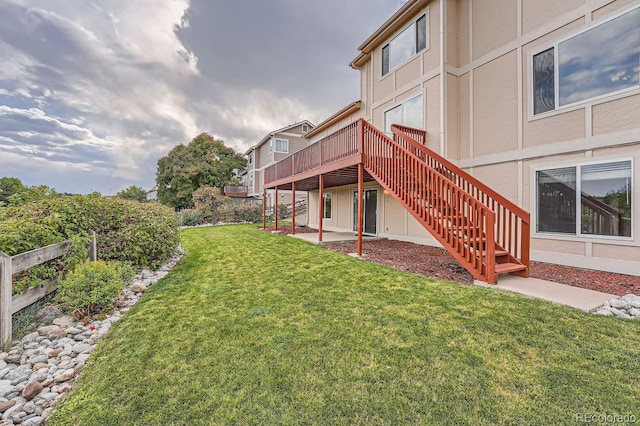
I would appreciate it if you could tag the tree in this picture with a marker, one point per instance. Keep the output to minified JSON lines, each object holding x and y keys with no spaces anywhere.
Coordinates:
{"x":9,"y":186}
{"x":204,"y":162}
{"x":135,"y":193}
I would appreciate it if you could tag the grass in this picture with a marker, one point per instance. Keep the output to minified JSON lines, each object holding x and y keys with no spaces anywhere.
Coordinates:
{"x":254,"y":328}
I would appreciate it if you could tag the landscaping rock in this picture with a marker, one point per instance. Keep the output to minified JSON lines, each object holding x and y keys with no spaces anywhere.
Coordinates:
{"x":138,"y":288}
{"x":618,"y":304}
{"x":4,"y":406}
{"x":627,"y":307}
{"x":41,"y":367}
{"x":63,"y":321}
{"x":32,"y":389}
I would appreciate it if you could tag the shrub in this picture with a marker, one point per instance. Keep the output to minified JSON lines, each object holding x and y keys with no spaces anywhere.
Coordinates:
{"x":191,"y":217}
{"x":91,"y":288}
{"x":283,"y":211}
{"x":247,"y":213}
{"x":211,"y":204}
{"x":141,"y":234}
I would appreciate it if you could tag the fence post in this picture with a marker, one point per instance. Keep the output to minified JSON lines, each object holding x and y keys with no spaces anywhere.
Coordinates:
{"x":6,"y":275}
{"x":93,"y":247}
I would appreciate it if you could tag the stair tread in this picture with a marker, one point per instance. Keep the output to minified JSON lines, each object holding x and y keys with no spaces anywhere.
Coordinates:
{"x":504,"y":268}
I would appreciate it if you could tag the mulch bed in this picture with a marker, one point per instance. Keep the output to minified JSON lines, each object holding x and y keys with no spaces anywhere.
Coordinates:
{"x":437,"y":263}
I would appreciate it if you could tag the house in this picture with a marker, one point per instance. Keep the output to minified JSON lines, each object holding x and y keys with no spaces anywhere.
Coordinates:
{"x":522,"y":137}
{"x":272,"y":148}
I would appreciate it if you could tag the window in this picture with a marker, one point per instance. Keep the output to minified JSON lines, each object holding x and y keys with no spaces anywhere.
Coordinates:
{"x":589,"y":199}
{"x":250,"y":182}
{"x":602,"y":60}
{"x":305,"y":128}
{"x":326,"y":199}
{"x":410,"y":41}
{"x":282,"y":145}
{"x":250,"y":158}
{"x":409,"y":113}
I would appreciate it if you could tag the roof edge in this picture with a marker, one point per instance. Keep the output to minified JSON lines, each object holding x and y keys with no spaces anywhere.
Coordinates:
{"x":270,"y":134}
{"x":386,"y":29}
{"x":349,"y":109}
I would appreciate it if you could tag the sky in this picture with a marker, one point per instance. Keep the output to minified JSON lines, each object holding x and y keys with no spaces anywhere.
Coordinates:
{"x":94,"y":92}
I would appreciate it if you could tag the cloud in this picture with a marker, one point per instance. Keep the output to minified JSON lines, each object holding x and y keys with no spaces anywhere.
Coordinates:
{"x":96,"y":92}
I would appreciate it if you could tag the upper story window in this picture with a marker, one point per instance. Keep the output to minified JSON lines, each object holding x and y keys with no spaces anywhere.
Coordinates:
{"x":409,"y":113}
{"x":250,"y":158}
{"x":585,"y":199}
{"x":410,"y":41}
{"x":282,"y":145}
{"x":602,"y":60}
{"x":305,"y":128}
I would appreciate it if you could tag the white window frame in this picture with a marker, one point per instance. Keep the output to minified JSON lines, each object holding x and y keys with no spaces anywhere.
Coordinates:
{"x":275,"y":145}
{"x":556,"y":77}
{"x":250,"y":159}
{"x":305,"y":128}
{"x":424,"y":13}
{"x":384,"y":114}
{"x":578,"y":235}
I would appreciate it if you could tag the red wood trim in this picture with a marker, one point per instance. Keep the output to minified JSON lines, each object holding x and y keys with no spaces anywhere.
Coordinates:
{"x":321,"y":205}
{"x":293,"y":209}
{"x":360,"y":206}
{"x":275,"y":208}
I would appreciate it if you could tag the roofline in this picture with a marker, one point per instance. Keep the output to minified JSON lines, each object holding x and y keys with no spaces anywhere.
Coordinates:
{"x":392,"y":24}
{"x":349,"y":109}
{"x":272,"y":133}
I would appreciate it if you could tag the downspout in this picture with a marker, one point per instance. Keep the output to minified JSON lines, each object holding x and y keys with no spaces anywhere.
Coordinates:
{"x":443,"y":83}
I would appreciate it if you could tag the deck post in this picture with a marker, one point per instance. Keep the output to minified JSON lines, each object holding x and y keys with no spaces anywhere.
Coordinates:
{"x":360,"y":205}
{"x":264,"y":209}
{"x":6,"y":295}
{"x":275,"y":208}
{"x":293,"y":208}
{"x":321,"y":207}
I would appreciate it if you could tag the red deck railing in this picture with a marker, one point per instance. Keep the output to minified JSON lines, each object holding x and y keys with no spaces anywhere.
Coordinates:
{"x":472,"y":221}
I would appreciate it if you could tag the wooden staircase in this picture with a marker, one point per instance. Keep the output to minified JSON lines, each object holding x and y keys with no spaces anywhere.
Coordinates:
{"x":485,"y":232}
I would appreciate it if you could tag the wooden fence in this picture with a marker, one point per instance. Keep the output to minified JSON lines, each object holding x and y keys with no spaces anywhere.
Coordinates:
{"x":10,"y":265}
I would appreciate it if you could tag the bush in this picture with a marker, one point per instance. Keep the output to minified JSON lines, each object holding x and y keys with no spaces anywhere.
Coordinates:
{"x":191,"y":217}
{"x":91,"y":288}
{"x":141,"y":234}
{"x":247,"y":213}
{"x":211,"y":204}
{"x":283,"y":211}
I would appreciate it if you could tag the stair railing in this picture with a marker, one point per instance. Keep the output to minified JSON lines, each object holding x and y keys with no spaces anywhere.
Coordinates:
{"x":435,"y":201}
{"x":512,"y":223}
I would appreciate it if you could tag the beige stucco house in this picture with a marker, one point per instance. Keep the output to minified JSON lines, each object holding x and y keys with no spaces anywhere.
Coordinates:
{"x":273,"y":147}
{"x":538,"y":99}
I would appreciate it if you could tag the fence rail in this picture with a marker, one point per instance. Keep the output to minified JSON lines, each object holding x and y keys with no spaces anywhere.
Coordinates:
{"x":10,"y":265}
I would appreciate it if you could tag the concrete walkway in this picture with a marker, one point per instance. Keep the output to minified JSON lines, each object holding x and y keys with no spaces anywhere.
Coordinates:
{"x":576,"y":297}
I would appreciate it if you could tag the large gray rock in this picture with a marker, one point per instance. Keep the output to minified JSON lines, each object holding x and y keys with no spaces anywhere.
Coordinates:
{"x":618,"y":304}
{"x":33,"y":421}
{"x":620,"y":314}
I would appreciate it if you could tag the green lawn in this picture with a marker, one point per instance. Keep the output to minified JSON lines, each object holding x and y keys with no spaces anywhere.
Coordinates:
{"x":255,"y":328}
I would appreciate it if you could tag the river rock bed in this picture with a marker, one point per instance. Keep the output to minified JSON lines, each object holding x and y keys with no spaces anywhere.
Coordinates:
{"x":627,"y":307}
{"x":41,"y":368}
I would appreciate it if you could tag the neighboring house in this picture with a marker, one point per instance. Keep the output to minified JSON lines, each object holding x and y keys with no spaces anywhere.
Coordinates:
{"x":539,"y":99}
{"x":272,"y":148}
